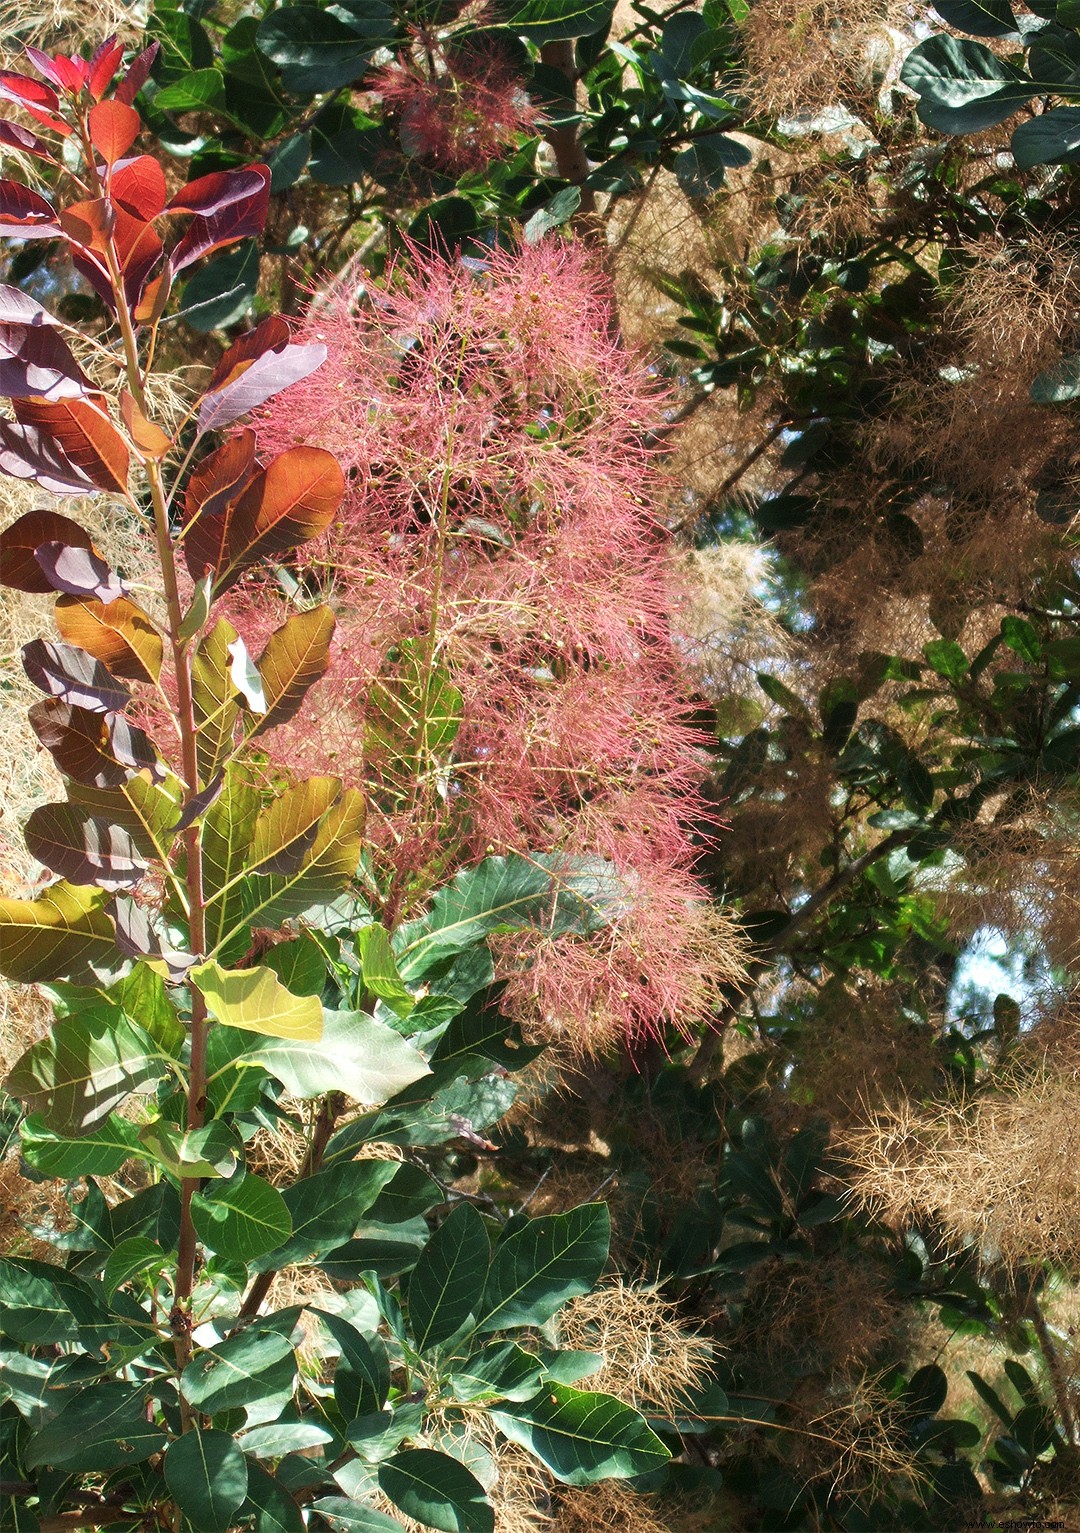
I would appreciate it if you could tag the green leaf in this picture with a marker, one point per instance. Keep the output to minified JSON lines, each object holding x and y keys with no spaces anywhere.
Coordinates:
{"x":545,"y":1262}
{"x":315,"y":50}
{"x":946,"y":658}
{"x":98,"y":1154}
{"x":255,"y":1000}
{"x":557,"y":211}
{"x":39,"y":1388}
{"x":288,"y":161}
{"x":411,"y":722}
{"x":203,"y":90}
{"x":296,"y":655}
{"x":222,"y":292}
{"x":255,"y":1365}
{"x":1058,"y":384}
{"x":447,"y":1281}
{"x":1052,"y":139}
{"x":207,"y":1476}
{"x":215,"y":703}
{"x":87,"y":1065}
{"x":364,"y":1360}
{"x":280,"y":1437}
{"x":64,"y":934}
{"x":286,"y":829}
{"x":1021,"y":638}
{"x":351,"y":1517}
{"x":355,"y":1054}
{"x":130,"y":1258}
{"x":505,"y":893}
{"x":324,"y":1210}
{"x":552,"y":21}
{"x":775,"y":690}
{"x":437,"y":1490}
{"x":583,"y":1437}
{"x":241,"y":1219}
{"x":984,"y":18}
{"x":380,"y":971}
{"x":962,"y":86}
{"x":213,"y":1150}
{"x":325,"y":870}
{"x":702,"y":168}
{"x":103,"y":1427}
{"x":499,"y":1372}
{"x":275,"y":1510}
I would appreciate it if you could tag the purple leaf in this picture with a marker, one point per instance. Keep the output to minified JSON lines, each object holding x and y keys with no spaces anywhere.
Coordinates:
{"x":83,"y":848}
{"x":137,"y":75}
{"x":99,"y":750}
{"x":136,"y":938}
{"x":18,"y":308}
{"x":16,"y":137}
{"x":199,"y":803}
{"x":78,"y":571}
{"x":69,"y":673}
{"x":25,"y":215}
{"x":236,"y":221}
{"x":36,"y":362}
{"x":267,"y":376}
{"x":221,"y":189}
{"x":27,"y":453}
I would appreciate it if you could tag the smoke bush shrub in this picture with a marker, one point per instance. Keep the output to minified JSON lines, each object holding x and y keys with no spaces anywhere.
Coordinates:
{"x":231,"y":946}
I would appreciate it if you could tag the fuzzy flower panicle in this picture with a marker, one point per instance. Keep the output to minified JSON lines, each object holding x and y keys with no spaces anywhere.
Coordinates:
{"x":456,"y":105}
{"x":503,"y":678}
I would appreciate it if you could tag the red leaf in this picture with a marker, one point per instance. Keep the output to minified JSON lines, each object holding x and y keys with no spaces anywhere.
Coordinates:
{"x":104,"y":62}
{"x":68,"y":74}
{"x":24,"y":214}
{"x":220,"y":478}
{"x":271,"y":335}
{"x":293,"y":500}
{"x":260,"y":381}
{"x":221,"y":189}
{"x":89,"y":224}
{"x":114,"y":127}
{"x":88,"y":439}
{"x":205,"y":235}
{"x":41,"y":101}
{"x":26,"y":91}
{"x":139,"y":187}
{"x":137,"y":75}
{"x":25,"y":141}
{"x":18,"y":567}
{"x":18,"y":308}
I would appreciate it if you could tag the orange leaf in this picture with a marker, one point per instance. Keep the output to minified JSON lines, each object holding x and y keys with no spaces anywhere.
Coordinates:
{"x":148,"y":438}
{"x":119,"y":634}
{"x":88,"y":439}
{"x":114,"y":127}
{"x":292,"y":500}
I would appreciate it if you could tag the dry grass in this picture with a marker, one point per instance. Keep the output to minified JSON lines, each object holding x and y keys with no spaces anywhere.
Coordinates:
{"x":851,"y":1439}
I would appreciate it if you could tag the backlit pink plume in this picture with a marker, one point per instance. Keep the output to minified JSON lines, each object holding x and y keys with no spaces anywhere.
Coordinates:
{"x":496,"y":559}
{"x":457,"y":106}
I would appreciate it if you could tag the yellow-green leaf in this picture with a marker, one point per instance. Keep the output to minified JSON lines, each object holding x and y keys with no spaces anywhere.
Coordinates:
{"x":256,"y":999}
{"x":63,"y":934}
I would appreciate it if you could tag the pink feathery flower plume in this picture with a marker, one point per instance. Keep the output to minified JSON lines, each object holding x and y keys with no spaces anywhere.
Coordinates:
{"x":498,"y":574}
{"x":456,"y":105}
